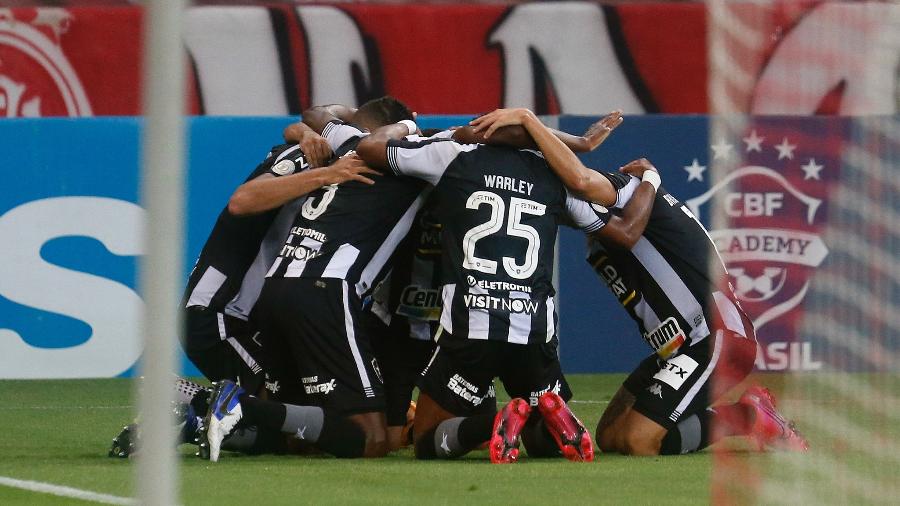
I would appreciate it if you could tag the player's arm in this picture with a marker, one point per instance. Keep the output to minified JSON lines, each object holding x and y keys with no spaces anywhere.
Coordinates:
{"x":319,"y":116}
{"x":623,"y":231}
{"x":313,"y":145}
{"x":516,"y":136}
{"x":267,"y":192}
{"x":585,"y":183}
{"x":426,"y":159}
{"x":373,"y":148}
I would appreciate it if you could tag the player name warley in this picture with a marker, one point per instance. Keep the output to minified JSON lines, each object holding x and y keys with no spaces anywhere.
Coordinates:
{"x":508,"y":183}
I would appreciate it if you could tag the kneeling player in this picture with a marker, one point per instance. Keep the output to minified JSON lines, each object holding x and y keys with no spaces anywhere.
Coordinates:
{"x":704,"y":344}
{"x":498,"y":317}
{"x":220,"y":338}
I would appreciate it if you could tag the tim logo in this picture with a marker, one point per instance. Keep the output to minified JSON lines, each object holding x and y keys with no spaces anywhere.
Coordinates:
{"x":772,"y":198}
{"x":36,"y":78}
{"x":665,"y":339}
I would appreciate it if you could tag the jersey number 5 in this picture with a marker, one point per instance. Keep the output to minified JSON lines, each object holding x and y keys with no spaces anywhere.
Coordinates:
{"x":514,"y":227}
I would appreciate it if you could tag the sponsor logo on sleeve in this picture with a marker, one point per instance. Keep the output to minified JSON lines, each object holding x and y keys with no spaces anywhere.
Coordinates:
{"x":284,"y":167}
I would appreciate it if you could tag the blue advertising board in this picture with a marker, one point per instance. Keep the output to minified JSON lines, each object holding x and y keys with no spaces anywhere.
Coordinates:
{"x":70,"y":225}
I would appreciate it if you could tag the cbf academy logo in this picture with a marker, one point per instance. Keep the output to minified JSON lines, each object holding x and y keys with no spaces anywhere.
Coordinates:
{"x":772,"y":196}
{"x":36,"y":78}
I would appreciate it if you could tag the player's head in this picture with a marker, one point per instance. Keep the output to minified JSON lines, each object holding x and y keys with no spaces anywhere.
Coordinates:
{"x":381,"y":111}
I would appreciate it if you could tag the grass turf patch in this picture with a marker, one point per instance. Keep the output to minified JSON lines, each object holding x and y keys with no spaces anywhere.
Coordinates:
{"x":59,"y":431}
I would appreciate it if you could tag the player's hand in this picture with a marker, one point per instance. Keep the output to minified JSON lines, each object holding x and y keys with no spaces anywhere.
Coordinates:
{"x":637,"y":167}
{"x":315,"y":148}
{"x":498,"y":118}
{"x":599,"y":131}
{"x":349,"y":168}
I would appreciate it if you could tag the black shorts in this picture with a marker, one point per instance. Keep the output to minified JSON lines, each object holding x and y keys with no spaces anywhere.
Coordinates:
{"x":225,"y":347}
{"x":460,"y":374}
{"x":319,"y":319}
{"x":402,"y":359}
{"x":667,"y":391}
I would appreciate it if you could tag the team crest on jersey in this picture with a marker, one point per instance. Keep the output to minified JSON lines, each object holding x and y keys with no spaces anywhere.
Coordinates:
{"x":772,"y":196}
{"x":36,"y":77}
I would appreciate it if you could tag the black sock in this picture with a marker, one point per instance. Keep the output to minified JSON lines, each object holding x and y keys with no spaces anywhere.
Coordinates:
{"x":455,"y":437}
{"x":200,"y":402}
{"x":690,"y":435}
{"x":537,"y":439}
{"x":263,"y":414}
{"x":254,"y":441}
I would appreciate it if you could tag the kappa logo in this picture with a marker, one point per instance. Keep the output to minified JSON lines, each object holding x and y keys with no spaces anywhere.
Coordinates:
{"x":444,"y":445}
{"x":533,"y":398}
{"x":36,"y":77}
{"x":301,"y":432}
{"x":655,"y":389}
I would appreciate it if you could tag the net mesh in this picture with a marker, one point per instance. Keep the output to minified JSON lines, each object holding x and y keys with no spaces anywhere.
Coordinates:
{"x":826,"y":312}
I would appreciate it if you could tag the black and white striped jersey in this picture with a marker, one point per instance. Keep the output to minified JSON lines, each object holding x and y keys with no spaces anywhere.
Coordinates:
{"x":500,"y":208}
{"x":231,"y":268}
{"x":349,"y":231}
{"x":409,"y":301}
{"x":664,"y":281}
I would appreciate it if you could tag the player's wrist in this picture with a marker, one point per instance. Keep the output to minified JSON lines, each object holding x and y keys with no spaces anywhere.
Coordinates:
{"x":410,"y":126}
{"x":652,"y":177}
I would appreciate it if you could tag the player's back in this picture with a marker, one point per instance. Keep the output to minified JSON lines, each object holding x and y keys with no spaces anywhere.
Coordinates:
{"x":232,"y":263}
{"x":672,"y":272}
{"x":500,"y":208}
{"x":349,"y":231}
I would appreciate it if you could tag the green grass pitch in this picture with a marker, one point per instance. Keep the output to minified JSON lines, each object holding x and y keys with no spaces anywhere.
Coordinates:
{"x":59,"y":431}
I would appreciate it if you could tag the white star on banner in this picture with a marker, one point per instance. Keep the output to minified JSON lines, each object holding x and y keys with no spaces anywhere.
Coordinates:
{"x":721,"y":150}
{"x":695,"y":171}
{"x":785,"y":149}
{"x":811,"y":170}
{"x":754,"y":142}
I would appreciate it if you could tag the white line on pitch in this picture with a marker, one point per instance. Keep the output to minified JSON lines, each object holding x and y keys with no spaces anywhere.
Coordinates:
{"x":20,"y":408}
{"x":59,"y":490}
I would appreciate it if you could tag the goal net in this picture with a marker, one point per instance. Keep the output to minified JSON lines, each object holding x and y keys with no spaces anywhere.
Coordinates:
{"x":806,"y":216}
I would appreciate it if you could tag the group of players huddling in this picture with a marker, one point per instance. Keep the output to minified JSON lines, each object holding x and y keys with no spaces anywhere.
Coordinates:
{"x":364,"y":257}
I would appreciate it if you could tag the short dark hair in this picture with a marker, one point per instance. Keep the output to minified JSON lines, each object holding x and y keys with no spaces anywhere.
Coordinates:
{"x":382,"y":111}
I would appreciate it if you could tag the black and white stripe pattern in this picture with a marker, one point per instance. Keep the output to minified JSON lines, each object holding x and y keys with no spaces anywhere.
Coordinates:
{"x":349,"y":324}
{"x":500,"y":208}
{"x":667,"y":273}
{"x":230,"y":270}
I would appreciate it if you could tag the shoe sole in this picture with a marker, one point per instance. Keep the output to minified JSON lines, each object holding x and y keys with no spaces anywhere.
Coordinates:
{"x":761,"y":399}
{"x":508,"y":454}
{"x":213,"y":426}
{"x":572,"y":449}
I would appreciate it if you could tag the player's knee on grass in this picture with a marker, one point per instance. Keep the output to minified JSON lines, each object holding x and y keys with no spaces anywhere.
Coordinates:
{"x":635,"y":434}
{"x":374,"y":429}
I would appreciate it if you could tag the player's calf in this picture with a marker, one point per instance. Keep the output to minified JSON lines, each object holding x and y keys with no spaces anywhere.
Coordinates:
{"x":360,"y":435}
